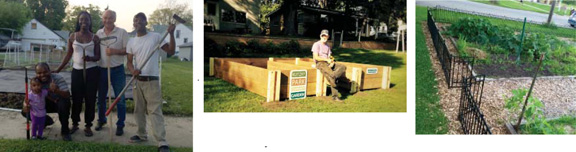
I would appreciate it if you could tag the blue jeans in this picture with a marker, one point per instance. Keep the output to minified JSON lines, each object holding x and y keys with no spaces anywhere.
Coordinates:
{"x":118,"y":78}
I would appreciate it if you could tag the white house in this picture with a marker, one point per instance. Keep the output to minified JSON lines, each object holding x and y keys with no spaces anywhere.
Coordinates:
{"x":185,"y":53}
{"x":36,"y":36}
{"x":182,"y":34}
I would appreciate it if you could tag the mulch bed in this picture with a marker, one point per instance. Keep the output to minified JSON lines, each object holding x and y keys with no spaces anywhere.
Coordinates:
{"x":11,"y":100}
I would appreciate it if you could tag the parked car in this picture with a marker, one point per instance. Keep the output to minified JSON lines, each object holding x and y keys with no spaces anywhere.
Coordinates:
{"x":572,"y":20}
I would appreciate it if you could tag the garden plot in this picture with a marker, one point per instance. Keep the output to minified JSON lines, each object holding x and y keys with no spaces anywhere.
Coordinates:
{"x":271,"y":77}
{"x":554,"y":91}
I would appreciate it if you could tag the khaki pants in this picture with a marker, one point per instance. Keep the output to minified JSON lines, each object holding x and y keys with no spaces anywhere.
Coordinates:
{"x":331,"y":74}
{"x":148,"y":100}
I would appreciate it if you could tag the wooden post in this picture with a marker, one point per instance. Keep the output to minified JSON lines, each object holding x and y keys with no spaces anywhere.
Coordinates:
{"x":273,"y":90}
{"x":356,"y":79}
{"x":270,"y":91}
{"x":211,"y":67}
{"x":277,"y":85}
{"x":320,"y":87}
{"x":386,"y":77}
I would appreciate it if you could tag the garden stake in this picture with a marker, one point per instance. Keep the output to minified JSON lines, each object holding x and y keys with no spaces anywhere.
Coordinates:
{"x":521,"y":41}
{"x":178,"y":19}
{"x":529,"y":92}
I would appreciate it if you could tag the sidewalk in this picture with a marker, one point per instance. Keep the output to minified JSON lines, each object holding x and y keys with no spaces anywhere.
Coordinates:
{"x":178,"y":130}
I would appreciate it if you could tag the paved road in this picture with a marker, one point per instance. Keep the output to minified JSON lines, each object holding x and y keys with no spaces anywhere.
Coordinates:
{"x":496,"y":10}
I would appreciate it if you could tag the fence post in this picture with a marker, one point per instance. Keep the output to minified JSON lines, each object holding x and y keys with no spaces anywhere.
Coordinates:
{"x":521,"y":42}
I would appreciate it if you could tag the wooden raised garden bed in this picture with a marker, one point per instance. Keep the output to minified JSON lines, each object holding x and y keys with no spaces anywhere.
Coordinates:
{"x":270,"y":77}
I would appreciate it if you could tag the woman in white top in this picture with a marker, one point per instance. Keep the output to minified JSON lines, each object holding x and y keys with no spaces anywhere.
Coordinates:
{"x":84,"y":49}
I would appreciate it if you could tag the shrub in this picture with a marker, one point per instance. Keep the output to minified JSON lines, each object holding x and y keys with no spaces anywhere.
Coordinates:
{"x":211,"y":49}
{"x":234,"y":48}
{"x":534,"y":113}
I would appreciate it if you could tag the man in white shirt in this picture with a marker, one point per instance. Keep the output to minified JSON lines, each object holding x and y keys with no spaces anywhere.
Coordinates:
{"x":113,"y":54}
{"x":147,"y":93}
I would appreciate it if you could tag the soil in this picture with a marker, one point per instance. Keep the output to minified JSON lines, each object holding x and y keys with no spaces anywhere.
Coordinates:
{"x":11,"y":100}
{"x":502,"y":66}
{"x":509,"y":68}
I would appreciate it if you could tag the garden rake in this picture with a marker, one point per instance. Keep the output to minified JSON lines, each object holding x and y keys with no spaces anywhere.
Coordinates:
{"x":27,"y":104}
{"x":107,"y":41}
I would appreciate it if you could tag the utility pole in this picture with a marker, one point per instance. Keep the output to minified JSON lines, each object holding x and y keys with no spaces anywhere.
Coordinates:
{"x":551,"y":12}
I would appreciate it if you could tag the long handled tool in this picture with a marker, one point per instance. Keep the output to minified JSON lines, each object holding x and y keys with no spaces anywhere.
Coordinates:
{"x":27,"y":104}
{"x":177,"y":18}
{"x":104,"y":41}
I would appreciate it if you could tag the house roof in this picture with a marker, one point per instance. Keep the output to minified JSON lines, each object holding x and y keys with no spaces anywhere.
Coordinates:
{"x":64,"y":34}
{"x":189,"y":44}
{"x":162,"y":28}
{"x":47,"y":28}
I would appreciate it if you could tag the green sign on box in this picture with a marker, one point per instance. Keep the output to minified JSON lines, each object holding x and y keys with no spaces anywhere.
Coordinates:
{"x":371,"y":70}
{"x":298,"y":82}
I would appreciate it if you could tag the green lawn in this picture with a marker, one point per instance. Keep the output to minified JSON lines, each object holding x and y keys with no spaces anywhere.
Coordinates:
{"x":429,"y":116}
{"x":445,"y":16}
{"x":221,"y":96}
{"x":53,"y":145}
{"x":527,"y":6}
{"x":176,"y":88}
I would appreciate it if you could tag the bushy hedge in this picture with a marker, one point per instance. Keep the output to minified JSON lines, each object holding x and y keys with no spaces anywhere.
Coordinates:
{"x":253,"y":48}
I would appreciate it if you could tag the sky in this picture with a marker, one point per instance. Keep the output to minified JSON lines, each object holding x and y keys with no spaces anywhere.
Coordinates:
{"x":126,"y":9}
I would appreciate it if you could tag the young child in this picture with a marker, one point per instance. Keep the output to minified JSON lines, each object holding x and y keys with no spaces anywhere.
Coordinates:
{"x":37,"y":103}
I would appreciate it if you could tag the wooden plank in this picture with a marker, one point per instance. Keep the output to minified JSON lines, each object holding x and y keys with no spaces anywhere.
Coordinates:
{"x":211,"y":73}
{"x":242,"y":75}
{"x":270,"y":90}
{"x":356,"y":80}
{"x":386,"y":78}
{"x":277,"y":86}
{"x":320,"y":90}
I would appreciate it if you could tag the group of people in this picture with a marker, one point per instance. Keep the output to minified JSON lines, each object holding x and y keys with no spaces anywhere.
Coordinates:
{"x":91,"y":60}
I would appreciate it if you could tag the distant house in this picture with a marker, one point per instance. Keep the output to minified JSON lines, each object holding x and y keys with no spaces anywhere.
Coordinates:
{"x":311,"y":19}
{"x":185,"y":51}
{"x":182,"y":34}
{"x":237,"y":16}
{"x":35,"y":36}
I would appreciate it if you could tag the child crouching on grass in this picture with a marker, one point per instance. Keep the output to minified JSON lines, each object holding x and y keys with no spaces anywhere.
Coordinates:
{"x":36,"y":104}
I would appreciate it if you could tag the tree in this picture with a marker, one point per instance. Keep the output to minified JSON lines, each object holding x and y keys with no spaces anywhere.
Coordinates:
{"x":13,"y":15}
{"x":290,"y":16}
{"x":71,"y":18}
{"x":163,"y":14}
{"x":266,"y":7}
{"x":48,"y":12}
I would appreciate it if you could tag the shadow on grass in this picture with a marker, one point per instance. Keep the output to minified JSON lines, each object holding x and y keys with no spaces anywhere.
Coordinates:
{"x":367,"y":57}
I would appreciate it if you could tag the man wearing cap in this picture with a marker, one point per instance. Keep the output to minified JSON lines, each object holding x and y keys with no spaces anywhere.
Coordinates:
{"x":112,"y":56}
{"x":325,"y":63}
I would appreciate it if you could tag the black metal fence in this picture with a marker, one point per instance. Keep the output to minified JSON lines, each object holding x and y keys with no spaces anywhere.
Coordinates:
{"x":471,"y":118}
{"x":458,"y":72}
{"x":454,"y":67}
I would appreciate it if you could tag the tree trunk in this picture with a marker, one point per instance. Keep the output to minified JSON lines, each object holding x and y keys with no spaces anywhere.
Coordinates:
{"x":290,"y":18}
